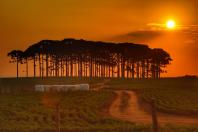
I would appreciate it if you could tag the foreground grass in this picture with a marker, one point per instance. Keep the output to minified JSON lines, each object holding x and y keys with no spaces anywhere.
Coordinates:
{"x":79,"y":111}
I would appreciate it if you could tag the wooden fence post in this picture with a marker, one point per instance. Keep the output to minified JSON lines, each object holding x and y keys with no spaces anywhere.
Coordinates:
{"x":58,"y":117}
{"x":154,"y":117}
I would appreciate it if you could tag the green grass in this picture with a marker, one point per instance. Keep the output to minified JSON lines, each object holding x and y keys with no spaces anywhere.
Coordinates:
{"x":81,"y":111}
{"x":172,"y":128}
{"x":78,"y":111}
{"x":177,"y":100}
{"x":172,"y":95}
{"x":135,"y":84}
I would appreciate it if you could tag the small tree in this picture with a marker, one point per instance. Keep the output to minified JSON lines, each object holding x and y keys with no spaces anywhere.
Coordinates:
{"x":16,"y":57}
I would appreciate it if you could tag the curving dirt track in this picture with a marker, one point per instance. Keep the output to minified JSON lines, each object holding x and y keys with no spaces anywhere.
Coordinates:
{"x":135,"y":113}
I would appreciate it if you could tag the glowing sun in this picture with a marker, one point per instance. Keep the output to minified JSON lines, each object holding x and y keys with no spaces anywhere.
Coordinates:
{"x":170,"y":24}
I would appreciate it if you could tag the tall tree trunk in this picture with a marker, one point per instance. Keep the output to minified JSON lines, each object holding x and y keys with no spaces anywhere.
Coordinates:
{"x":81,"y":67}
{"x":96,"y":68}
{"x":47,"y":65}
{"x":17,"y":67}
{"x":112,"y":71}
{"x":153,"y":70}
{"x":85,"y":68}
{"x":138,"y":70}
{"x":67,"y":68}
{"x":159,"y":71}
{"x":143,"y":68}
{"x":27,"y":73}
{"x":118,"y":68}
{"x":34,"y":66}
{"x":91,"y":67}
{"x":40,"y":64}
{"x":71,"y":66}
{"x":127,"y":69}
{"x":109,"y":69}
{"x":61,"y":66}
{"x":123,"y":67}
{"x":147,"y":68}
{"x":133,"y":69}
{"x":56,"y":66}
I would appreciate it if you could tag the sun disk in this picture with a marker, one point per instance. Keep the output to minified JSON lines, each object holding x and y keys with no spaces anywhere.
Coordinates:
{"x":170,"y":24}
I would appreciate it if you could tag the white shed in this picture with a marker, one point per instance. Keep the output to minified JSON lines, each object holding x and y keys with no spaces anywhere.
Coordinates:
{"x":58,"y":88}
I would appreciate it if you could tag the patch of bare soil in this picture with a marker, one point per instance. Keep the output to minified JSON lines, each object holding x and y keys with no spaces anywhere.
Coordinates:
{"x":135,"y":112}
{"x":99,"y":86}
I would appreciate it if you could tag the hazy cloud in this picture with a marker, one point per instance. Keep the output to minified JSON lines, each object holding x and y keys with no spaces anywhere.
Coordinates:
{"x":181,"y":44}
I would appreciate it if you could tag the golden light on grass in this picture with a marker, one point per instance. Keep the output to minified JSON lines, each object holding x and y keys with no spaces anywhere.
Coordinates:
{"x":170,"y":24}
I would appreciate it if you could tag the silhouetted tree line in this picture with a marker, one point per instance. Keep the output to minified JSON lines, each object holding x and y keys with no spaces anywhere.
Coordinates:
{"x":70,"y":57}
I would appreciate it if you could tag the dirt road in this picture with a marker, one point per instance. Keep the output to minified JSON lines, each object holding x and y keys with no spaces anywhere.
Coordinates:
{"x":135,"y":113}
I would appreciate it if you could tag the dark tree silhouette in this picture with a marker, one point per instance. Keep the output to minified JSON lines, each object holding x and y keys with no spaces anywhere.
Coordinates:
{"x":70,"y":57}
{"x":159,"y":60}
{"x":16,"y":57}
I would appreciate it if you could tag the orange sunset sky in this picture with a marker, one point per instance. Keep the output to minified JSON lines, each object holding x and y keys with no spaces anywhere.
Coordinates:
{"x":24,"y":22}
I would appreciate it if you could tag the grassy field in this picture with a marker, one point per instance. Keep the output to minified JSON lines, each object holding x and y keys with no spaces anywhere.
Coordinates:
{"x":173,"y":95}
{"x":82,"y":111}
{"x":78,"y":111}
